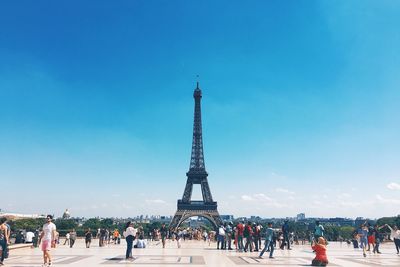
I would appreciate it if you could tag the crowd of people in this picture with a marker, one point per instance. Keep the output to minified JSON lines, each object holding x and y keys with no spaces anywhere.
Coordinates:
{"x":246,"y":237}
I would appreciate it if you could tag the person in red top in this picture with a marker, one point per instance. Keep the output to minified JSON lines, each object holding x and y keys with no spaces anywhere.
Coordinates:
{"x":320,"y":251}
{"x":240,"y":230}
{"x":248,"y":234}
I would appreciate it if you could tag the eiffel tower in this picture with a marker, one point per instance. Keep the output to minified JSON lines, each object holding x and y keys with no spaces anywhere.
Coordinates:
{"x":196,"y":175}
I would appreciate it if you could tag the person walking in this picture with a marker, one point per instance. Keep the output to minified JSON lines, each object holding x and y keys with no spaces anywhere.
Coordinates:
{"x":130,"y":235}
{"x":256,"y":237}
{"x":164,"y":234}
{"x":67,"y":237}
{"x":47,"y":237}
{"x":3,"y":239}
{"x":248,"y":234}
{"x":228,"y":236}
{"x":285,"y":233}
{"x":178,"y":236}
{"x":8,"y":238}
{"x":378,"y":238}
{"x":88,"y":238}
{"x":363,"y":234}
{"x":240,"y":230}
{"x":269,"y":242}
{"x":395,"y":235}
{"x":221,"y":237}
{"x":72,"y":236}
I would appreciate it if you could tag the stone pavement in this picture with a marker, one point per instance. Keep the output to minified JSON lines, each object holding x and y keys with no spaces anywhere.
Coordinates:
{"x":197,"y":253}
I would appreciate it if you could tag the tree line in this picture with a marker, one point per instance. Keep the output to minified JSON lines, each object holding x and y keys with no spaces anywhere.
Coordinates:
{"x":66,"y":225}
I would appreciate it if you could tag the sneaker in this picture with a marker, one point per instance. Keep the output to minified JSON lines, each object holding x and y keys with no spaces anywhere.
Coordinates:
{"x":271,"y":257}
{"x":365,"y":255}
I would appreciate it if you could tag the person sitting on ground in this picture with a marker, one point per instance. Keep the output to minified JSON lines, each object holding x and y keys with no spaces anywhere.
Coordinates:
{"x":320,"y":251}
{"x":141,"y":243}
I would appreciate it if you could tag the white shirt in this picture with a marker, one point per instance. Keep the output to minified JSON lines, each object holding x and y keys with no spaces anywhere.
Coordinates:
{"x":48,"y":229}
{"x":130,"y":231}
{"x":221,"y":231}
{"x":29,"y":237}
{"x":394,"y":233}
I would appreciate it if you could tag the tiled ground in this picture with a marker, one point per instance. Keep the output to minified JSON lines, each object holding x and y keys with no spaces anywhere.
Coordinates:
{"x":197,"y":253}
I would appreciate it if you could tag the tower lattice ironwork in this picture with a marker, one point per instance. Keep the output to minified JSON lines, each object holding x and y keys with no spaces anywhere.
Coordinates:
{"x":197,"y":174}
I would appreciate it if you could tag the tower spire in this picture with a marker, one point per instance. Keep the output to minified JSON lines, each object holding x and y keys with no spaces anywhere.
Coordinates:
{"x":197,"y":157}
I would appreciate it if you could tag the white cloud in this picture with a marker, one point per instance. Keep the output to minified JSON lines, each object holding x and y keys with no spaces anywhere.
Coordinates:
{"x":283,"y":190}
{"x":393,"y":186}
{"x":387,"y":200}
{"x":155,"y":201}
{"x":247,"y":198}
{"x":351,"y":204}
{"x":262,"y":199}
{"x":317,"y":203}
{"x":344,"y":196}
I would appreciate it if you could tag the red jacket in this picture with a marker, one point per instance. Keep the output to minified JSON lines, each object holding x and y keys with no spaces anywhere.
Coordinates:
{"x":240,"y":229}
{"x":320,"y":252}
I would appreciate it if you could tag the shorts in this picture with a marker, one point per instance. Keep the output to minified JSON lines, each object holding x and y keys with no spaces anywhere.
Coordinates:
{"x":46,"y":245}
{"x":363,"y":242}
{"x":371,"y":239}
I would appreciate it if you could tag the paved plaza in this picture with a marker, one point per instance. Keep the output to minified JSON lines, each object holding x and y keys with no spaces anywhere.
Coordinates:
{"x":197,"y":253}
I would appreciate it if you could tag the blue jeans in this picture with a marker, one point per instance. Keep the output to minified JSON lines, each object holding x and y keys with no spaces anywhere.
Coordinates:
{"x":3,"y":244}
{"x":266,"y":245}
{"x":240,"y":243}
{"x":129,"y":242}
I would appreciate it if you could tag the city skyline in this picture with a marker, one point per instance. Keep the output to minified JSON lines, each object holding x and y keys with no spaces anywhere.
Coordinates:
{"x":300,"y":106}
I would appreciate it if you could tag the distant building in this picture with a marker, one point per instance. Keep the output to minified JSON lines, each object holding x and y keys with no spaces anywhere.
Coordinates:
{"x":66,"y":214}
{"x":255,"y":218}
{"x":301,"y":216}
{"x":227,"y":218}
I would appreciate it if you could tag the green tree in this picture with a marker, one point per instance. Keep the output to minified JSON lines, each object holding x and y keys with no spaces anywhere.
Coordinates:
{"x":93,"y":223}
{"x":346,"y":232}
{"x":27,"y":224}
{"x":65,"y":224}
{"x":107,"y":223}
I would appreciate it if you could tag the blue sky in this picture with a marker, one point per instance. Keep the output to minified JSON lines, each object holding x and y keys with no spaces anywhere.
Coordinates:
{"x":300,"y":106}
